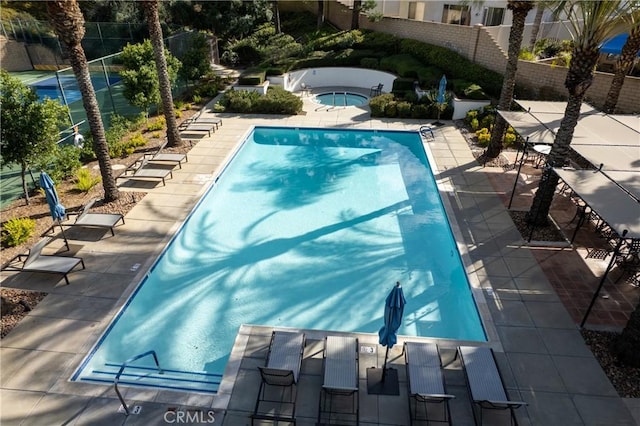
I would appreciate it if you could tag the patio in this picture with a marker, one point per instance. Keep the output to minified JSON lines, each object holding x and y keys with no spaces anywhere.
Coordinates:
{"x":540,"y":352}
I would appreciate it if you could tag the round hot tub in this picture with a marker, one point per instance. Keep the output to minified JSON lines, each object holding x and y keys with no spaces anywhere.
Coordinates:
{"x":341,"y":99}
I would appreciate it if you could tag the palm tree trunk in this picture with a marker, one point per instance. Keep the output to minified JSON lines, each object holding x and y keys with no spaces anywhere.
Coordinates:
{"x":535,"y":28}
{"x":355,"y":15}
{"x":150,"y":8}
{"x":579,"y":79}
{"x":320,"y":14}
{"x":68,"y":22}
{"x":622,"y":67}
{"x":276,"y":16}
{"x":520,"y":10}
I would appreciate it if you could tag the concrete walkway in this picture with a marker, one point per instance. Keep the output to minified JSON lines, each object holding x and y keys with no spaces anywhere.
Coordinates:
{"x":540,"y":352}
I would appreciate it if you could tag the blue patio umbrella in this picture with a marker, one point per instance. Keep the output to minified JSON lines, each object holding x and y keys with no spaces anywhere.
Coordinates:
{"x":393,"y":311}
{"x":56,"y":209}
{"x":442,"y":89}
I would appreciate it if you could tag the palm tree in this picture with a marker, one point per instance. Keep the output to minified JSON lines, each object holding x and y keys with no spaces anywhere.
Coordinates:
{"x":150,"y":8}
{"x":276,"y":16}
{"x":320,"y":14}
{"x":535,"y":28}
{"x":520,"y":9}
{"x":590,"y":23}
{"x":355,"y":14}
{"x":624,"y":63}
{"x":68,"y":23}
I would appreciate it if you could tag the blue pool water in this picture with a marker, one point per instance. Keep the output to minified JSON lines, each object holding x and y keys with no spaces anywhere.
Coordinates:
{"x":49,"y":88}
{"x":341,"y":99}
{"x":305,"y":228}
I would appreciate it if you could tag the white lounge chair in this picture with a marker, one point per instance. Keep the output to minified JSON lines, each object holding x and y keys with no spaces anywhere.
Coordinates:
{"x":485,"y":382}
{"x":340,"y":381}
{"x":280,"y":378}
{"x":425,"y":381}
{"x":95,"y":220}
{"x":35,"y":261}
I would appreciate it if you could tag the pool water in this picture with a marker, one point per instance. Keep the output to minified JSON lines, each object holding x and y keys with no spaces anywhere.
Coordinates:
{"x":306,"y":228}
{"x":341,"y":99}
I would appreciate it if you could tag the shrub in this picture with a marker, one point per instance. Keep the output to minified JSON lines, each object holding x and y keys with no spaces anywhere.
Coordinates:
{"x":158,"y":123}
{"x":137,"y":140}
{"x":386,"y":44}
{"x":252,"y":78}
{"x":17,"y":230}
{"x":474,"y":91}
{"x":379,"y":103}
{"x":484,"y":136}
{"x":488,"y":120}
{"x":61,"y":162}
{"x":155,"y":135}
{"x":337,"y":41}
{"x":404,"y":65}
{"x":85,"y":181}
{"x":404,"y":109}
{"x":372,"y":63}
{"x":391,"y":109}
{"x":471,"y":115}
{"x":276,"y":101}
{"x":474,"y":124}
{"x":509,"y":137}
{"x":526,"y":55}
{"x":403,"y":84}
{"x":419,"y":111}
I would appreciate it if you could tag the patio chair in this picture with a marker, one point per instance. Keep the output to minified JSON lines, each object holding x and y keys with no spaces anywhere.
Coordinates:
{"x":35,"y":261}
{"x":339,"y":394}
{"x":425,"y":382}
{"x":485,"y":382}
{"x":141,"y":169}
{"x":376,"y":90}
{"x":628,"y":261}
{"x":166,"y":157}
{"x":278,"y":388}
{"x":95,"y":220}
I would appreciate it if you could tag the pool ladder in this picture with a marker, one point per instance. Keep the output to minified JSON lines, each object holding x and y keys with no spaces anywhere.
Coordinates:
{"x":334,"y":99}
{"x":124,"y":365}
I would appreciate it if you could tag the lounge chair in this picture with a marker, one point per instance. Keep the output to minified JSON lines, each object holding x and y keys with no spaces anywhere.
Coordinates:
{"x":425,"y":382}
{"x":35,"y":261}
{"x":340,"y":381}
{"x":485,"y":382}
{"x":278,"y":388}
{"x":198,"y":118}
{"x":95,"y":220}
{"x":166,"y":157}
{"x":142,"y":169}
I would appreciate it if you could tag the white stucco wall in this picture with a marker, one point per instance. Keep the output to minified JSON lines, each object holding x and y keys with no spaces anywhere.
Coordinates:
{"x":338,"y":76}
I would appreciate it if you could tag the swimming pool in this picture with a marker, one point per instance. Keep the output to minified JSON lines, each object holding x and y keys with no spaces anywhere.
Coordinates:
{"x":341,"y":99}
{"x":306,"y":228}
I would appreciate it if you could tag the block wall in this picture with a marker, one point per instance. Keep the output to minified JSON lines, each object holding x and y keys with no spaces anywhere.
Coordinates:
{"x":14,"y":56}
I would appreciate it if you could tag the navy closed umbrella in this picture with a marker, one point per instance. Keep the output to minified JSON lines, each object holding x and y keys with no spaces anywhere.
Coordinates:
{"x":56,"y":209}
{"x":441,"y":99}
{"x":393,"y":311}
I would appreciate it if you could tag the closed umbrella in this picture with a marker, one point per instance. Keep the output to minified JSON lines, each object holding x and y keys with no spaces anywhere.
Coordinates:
{"x":56,"y":209}
{"x":387,"y":384}
{"x":441,"y":98}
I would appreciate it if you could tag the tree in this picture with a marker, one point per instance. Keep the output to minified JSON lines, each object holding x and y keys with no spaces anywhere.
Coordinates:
{"x":320,"y":14}
{"x":68,"y":23}
{"x":590,"y":23}
{"x":355,"y":14}
{"x":30,"y":127}
{"x":276,"y":16}
{"x":140,"y":78}
{"x":520,"y":9}
{"x":155,"y":32}
{"x":537,"y":21}
{"x":624,"y":63}
{"x":196,"y":61}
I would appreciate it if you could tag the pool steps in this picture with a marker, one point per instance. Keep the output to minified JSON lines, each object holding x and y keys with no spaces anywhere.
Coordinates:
{"x":149,"y":377}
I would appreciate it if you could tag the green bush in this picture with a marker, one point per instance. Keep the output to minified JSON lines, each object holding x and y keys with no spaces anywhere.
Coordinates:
{"x":372,"y":63}
{"x":402,"y":84}
{"x":419,"y":111}
{"x":474,"y":124}
{"x":429,"y":77}
{"x":391,"y":109}
{"x":471,"y":115}
{"x":17,"y":230}
{"x":276,"y":101}
{"x":385,"y":44}
{"x":337,"y":41}
{"x":404,"y":65}
{"x":474,"y":91}
{"x":488,"y":120}
{"x":526,"y":55}
{"x":60,"y":163}
{"x":379,"y":103}
{"x":509,"y":137}
{"x":85,"y":181}
{"x":404,"y":109}
{"x":252,"y":78}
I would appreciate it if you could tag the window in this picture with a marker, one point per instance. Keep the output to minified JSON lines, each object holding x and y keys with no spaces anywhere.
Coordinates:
{"x":456,"y":14}
{"x":493,"y":16}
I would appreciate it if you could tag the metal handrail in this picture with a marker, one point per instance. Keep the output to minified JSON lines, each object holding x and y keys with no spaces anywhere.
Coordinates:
{"x":124,"y":365}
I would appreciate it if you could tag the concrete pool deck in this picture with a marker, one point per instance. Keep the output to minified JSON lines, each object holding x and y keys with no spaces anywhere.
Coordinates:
{"x":540,"y":352}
